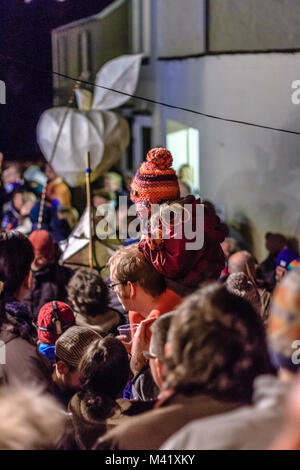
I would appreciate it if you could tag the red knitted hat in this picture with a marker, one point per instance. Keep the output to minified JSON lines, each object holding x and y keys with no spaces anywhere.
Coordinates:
{"x":155,"y":181}
{"x":42,"y":243}
{"x":46,"y":320}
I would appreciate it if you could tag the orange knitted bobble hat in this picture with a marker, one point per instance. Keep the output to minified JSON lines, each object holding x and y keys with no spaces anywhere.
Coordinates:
{"x":155,"y":181}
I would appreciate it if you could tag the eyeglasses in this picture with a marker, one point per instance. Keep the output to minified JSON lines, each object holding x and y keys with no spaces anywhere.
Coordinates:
{"x":123,"y":283}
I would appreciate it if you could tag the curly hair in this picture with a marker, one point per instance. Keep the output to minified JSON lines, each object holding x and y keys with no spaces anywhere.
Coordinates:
{"x":88,"y":293}
{"x":218,"y":346}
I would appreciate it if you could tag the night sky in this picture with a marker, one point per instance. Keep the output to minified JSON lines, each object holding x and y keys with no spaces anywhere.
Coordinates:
{"x":25,"y":35}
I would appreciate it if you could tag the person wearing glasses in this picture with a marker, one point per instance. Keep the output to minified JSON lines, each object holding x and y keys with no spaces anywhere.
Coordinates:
{"x":141,"y":290}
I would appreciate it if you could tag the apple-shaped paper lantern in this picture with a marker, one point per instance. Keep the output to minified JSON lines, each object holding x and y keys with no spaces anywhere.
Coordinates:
{"x":91,"y":128}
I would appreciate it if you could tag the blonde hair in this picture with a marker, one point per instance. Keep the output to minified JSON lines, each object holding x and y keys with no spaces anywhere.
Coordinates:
{"x":29,"y":419}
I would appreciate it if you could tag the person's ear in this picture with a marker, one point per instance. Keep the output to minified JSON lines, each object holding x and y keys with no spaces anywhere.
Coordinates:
{"x":168,"y":349}
{"x":132,"y":287}
{"x":62,"y":367}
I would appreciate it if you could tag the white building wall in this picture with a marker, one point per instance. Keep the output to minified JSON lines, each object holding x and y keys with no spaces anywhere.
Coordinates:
{"x":253,"y":24}
{"x":180,"y":27}
{"x":254,"y":172}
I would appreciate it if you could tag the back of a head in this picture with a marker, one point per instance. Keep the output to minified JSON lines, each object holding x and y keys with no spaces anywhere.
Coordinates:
{"x":129,"y":264}
{"x":43,"y":244}
{"x":284,"y":322}
{"x":218,"y":346}
{"x":229,"y":246}
{"x":241,"y":261}
{"x":239,"y":284}
{"x":159,"y":331}
{"x":53,"y":319}
{"x":88,"y":293}
{"x":72,"y":344}
{"x":29,"y":419}
{"x":104,"y":371}
{"x":16,"y":256}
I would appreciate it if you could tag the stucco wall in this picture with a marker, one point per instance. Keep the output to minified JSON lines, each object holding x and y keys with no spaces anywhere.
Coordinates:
{"x":254,"y":172}
{"x":180,"y":27}
{"x":253,"y":24}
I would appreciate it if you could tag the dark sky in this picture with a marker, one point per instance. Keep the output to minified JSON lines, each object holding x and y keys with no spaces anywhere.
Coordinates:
{"x":25,"y":35}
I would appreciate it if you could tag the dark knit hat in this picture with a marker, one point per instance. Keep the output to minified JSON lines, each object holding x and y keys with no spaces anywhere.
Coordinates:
{"x":155,"y":181}
{"x":42,"y":243}
{"x":46,"y":321}
{"x":72,"y":344}
{"x":284,"y":321}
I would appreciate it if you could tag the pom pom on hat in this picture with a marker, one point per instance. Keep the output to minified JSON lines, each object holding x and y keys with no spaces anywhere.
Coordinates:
{"x":156,"y":180}
{"x":159,"y":158}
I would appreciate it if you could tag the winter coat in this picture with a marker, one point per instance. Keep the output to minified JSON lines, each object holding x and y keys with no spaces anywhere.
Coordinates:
{"x":85,"y":427}
{"x":48,"y":284}
{"x":22,"y":362}
{"x":171,"y":257}
{"x":150,"y":430}
{"x":248,"y":428}
{"x":103,"y":324}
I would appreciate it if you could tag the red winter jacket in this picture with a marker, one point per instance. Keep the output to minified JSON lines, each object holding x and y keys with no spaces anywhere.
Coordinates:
{"x":189,"y":267}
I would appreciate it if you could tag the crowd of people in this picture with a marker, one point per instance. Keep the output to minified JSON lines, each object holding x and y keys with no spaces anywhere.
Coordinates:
{"x":179,"y":349}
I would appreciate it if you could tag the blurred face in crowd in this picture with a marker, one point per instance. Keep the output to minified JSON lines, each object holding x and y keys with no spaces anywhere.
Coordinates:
{"x":226,"y":249}
{"x":18,"y":201}
{"x":26,"y":208}
{"x":280,"y":273}
{"x":99,"y":200}
{"x":50,"y":173}
{"x":11,"y":175}
{"x":184,"y":189}
{"x":274,"y":244}
{"x":39,"y":262}
{"x":112,"y":182}
{"x":66,"y":377}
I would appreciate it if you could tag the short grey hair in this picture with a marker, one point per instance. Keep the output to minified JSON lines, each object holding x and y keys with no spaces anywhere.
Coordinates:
{"x":29,"y":419}
{"x":159,"y":331}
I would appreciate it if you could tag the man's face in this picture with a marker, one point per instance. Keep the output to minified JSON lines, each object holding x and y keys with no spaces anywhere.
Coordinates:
{"x":39,"y":262}
{"x":18,"y":201}
{"x":65,"y":378}
{"x":122,"y":291}
{"x":280,"y":273}
{"x":226,"y":249}
{"x":109,"y":184}
{"x":99,"y":201}
{"x":10,"y":175}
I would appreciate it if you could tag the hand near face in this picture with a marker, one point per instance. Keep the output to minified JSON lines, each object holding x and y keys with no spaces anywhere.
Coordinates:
{"x":140,"y":343}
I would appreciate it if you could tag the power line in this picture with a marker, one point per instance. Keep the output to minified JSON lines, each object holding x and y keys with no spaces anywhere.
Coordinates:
{"x":149,"y":100}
